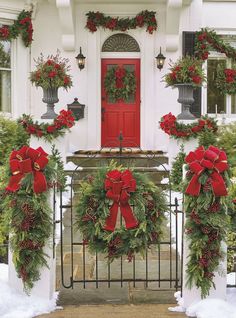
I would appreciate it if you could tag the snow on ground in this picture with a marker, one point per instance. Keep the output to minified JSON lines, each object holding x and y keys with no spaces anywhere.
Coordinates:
{"x":165,"y":181}
{"x":209,"y":308}
{"x":16,"y":305}
{"x":164,"y":167}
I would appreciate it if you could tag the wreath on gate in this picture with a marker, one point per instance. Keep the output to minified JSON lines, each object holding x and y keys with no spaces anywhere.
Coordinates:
{"x":119,"y":83}
{"x":142,"y":206}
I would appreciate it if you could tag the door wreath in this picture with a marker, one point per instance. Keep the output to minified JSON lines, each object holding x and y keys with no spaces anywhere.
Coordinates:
{"x":119,"y":84}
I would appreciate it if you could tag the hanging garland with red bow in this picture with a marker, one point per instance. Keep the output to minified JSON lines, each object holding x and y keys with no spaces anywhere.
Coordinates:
{"x":145,"y":18}
{"x":206,"y":218}
{"x":173,"y":128}
{"x":141,"y":205}
{"x":119,"y":84}
{"x":27,"y":211}
{"x":63,"y":122}
{"x":22,"y":26}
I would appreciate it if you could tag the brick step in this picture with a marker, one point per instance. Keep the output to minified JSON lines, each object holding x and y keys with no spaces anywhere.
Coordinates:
{"x":140,"y":160}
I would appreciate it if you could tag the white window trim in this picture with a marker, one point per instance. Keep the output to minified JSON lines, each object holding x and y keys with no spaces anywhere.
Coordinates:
{"x":220,"y":56}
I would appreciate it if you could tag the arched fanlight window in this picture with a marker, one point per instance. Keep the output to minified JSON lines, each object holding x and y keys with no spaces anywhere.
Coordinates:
{"x":120,"y":42}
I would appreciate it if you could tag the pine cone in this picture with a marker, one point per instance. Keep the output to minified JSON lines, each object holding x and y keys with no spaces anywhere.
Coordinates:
{"x":205,"y":229}
{"x":215,"y":207}
{"x":208,"y":185}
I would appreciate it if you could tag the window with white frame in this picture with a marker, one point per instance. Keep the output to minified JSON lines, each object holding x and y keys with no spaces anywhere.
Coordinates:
{"x":214,"y":100}
{"x":5,"y":76}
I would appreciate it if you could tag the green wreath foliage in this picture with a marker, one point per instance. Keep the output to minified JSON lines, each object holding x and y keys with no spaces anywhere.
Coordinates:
{"x":148,"y":204}
{"x":113,"y":91}
{"x":226,"y":81}
{"x":176,"y":174}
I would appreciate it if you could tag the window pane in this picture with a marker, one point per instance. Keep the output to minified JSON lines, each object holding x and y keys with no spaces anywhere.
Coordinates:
{"x":131,"y":98}
{"x":213,"y":95}
{"x":5,"y":54}
{"x":233,"y":97}
{"x":5,"y":91}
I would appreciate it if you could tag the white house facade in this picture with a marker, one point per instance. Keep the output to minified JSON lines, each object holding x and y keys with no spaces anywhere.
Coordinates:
{"x":60,"y":24}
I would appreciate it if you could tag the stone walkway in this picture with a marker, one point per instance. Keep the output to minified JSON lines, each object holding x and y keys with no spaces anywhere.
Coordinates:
{"x":115,"y":311}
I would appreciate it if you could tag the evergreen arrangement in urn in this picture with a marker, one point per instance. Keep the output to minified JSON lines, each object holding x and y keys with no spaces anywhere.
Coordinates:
{"x":52,"y":72}
{"x":186,"y":70}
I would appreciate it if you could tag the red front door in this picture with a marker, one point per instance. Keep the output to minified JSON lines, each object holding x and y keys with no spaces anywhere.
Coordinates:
{"x":121,"y":116}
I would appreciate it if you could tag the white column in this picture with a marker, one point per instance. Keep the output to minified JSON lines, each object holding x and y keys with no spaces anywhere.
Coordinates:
{"x":61,"y":144}
{"x":46,"y":286}
{"x":193,"y":295}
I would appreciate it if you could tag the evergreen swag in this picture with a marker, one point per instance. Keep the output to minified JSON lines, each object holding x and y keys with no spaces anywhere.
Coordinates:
{"x":176,"y":175}
{"x":64,"y":121}
{"x":177,"y":130}
{"x":145,"y":18}
{"x":226,"y":81}
{"x":26,"y":208}
{"x":206,"y":218}
{"x":119,"y":84}
{"x":207,"y":40}
{"x":92,"y":212}
{"x":22,"y":26}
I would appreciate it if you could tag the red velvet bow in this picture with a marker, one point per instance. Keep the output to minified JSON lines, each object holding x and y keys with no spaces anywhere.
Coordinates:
{"x":212,"y":159}
{"x":118,"y":186}
{"x":28,"y":160}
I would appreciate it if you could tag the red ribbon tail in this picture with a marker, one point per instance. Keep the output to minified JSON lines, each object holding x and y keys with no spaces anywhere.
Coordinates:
{"x":14,"y":183}
{"x":40,"y":182}
{"x":194,"y":186}
{"x":218,"y":185}
{"x":111,"y":219}
{"x":127,"y":213}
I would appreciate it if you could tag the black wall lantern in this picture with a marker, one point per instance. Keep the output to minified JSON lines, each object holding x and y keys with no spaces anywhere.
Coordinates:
{"x":160,"y":58}
{"x":77,"y":109}
{"x":80,"y":59}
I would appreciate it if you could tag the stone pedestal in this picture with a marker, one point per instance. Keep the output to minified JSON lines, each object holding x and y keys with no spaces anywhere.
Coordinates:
{"x":174,"y":147}
{"x":193,"y":295}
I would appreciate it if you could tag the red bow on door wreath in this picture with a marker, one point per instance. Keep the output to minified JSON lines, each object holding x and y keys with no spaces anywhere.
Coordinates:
{"x":119,"y":185}
{"x":212,"y":159}
{"x":28,"y":160}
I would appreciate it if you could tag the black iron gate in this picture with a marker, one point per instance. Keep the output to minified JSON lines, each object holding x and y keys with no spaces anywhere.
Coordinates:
{"x":162,"y":265}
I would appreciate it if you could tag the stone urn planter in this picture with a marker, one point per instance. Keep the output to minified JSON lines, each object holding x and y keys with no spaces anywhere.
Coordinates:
{"x":50,"y":97}
{"x":186,"y":99}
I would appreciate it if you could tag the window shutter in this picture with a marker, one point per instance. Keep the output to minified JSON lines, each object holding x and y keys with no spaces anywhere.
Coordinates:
{"x":188,"y":49}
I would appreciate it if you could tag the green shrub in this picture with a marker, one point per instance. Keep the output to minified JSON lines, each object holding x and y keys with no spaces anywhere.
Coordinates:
{"x":176,"y":174}
{"x":12,"y":136}
{"x":207,"y":138}
{"x":227,"y":142}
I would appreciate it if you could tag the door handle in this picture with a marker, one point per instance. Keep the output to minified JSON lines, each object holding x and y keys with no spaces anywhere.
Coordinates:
{"x":103,"y":111}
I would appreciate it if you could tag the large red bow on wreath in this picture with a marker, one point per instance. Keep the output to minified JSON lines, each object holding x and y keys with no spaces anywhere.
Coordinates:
{"x":212,"y":159}
{"x":28,"y":160}
{"x":118,"y":186}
